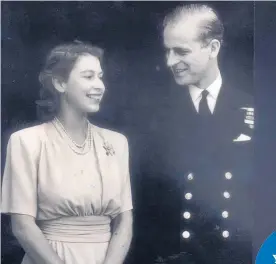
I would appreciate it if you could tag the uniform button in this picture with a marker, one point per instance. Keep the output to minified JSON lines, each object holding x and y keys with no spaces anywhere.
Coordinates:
{"x":225,"y":234}
{"x":187,"y":215}
{"x":190,"y":176}
{"x":188,"y":196}
{"x":186,"y":234}
{"x":225,"y":214}
{"x":228,"y":175}
{"x":226,"y":195}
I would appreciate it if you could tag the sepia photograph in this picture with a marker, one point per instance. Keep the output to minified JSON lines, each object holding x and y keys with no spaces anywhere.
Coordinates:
{"x":128,"y":132}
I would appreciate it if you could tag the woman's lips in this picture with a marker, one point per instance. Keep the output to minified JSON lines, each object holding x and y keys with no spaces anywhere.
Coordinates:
{"x":96,"y":97}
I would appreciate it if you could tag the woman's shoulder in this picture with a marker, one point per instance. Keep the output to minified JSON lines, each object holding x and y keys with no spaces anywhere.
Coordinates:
{"x":31,"y":135}
{"x":111,"y":135}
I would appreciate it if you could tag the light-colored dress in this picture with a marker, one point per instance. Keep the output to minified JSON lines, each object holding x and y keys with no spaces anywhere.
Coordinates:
{"x":73,"y":197}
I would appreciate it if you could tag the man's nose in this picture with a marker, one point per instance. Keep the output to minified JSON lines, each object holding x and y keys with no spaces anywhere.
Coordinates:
{"x":171,"y":58}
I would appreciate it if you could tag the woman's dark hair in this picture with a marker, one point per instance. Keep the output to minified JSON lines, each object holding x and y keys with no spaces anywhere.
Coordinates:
{"x":59,"y":64}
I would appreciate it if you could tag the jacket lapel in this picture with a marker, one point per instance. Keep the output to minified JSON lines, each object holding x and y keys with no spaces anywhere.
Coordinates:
{"x":228,"y":114}
{"x":106,"y":165}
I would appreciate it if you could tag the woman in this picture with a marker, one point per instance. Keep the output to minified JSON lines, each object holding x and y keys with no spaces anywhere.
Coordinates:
{"x":66,"y":182}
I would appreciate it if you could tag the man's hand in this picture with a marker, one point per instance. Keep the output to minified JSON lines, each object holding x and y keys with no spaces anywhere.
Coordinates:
{"x":249,"y":116}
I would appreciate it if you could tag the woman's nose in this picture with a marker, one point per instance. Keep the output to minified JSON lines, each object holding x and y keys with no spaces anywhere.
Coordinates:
{"x":99,"y":85}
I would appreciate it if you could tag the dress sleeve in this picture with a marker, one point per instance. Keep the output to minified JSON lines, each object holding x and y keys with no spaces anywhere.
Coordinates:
{"x":126,"y":195}
{"x":19,"y":186}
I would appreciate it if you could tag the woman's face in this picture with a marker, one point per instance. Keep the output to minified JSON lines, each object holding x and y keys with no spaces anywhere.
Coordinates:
{"x":84,"y":88}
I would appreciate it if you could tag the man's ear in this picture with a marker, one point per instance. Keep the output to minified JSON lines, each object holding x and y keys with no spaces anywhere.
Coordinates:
{"x":215,"y":48}
{"x":59,"y":85}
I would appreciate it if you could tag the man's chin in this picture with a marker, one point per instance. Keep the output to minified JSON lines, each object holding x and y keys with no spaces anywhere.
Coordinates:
{"x":181,"y":81}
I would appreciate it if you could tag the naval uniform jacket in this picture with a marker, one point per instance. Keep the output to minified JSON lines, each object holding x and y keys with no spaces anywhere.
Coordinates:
{"x":194,"y":166}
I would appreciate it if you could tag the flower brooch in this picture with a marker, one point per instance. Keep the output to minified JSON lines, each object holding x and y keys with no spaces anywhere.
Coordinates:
{"x":109,"y":150}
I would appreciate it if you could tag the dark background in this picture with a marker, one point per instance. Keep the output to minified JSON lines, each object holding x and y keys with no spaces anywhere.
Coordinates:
{"x":265,"y":136}
{"x":135,"y":73}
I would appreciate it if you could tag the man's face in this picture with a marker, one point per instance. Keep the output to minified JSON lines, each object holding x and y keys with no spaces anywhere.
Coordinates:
{"x":186,"y":56}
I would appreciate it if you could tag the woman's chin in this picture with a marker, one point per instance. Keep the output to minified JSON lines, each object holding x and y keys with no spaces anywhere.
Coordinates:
{"x":93,"y":109}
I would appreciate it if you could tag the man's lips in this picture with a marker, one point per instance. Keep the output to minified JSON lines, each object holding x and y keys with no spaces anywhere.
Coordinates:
{"x":179,"y":71}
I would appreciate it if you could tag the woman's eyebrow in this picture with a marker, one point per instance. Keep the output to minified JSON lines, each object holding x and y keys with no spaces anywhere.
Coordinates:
{"x":92,"y":71}
{"x":87,"y":71}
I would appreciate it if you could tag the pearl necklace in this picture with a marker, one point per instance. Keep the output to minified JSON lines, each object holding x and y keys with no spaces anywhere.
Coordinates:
{"x":77,"y":148}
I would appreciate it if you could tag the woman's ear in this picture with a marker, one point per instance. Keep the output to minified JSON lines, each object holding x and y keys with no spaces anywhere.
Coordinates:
{"x":59,"y":85}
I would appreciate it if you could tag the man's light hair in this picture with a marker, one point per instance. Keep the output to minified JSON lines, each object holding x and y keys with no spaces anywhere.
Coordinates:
{"x":210,"y":24}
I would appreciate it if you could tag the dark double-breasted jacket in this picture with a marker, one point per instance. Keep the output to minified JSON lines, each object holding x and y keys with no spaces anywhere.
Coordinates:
{"x":195,"y":199}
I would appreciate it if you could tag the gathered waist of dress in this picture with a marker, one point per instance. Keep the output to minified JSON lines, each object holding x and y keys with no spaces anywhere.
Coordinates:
{"x":77,"y":229}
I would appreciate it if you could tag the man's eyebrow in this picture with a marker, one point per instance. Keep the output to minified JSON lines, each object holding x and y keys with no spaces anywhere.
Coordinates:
{"x":181,"y":49}
{"x":178,"y":49}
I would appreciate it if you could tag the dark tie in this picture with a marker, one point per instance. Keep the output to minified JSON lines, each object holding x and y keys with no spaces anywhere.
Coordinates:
{"x":203,"y":108}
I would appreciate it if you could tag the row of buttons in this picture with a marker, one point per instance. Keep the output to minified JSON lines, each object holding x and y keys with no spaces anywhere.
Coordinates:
{"x":189,"y":196}
{"x":187,"y":215}
{"x":224,"y":214}
{"x":228,"y":176}
{"x":186,"y":234}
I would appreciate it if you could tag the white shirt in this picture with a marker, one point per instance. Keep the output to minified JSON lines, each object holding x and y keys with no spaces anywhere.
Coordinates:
{"x":213,"y":90}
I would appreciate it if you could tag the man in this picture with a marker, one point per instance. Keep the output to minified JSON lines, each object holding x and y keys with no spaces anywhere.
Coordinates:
{"x":197,"y":191}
